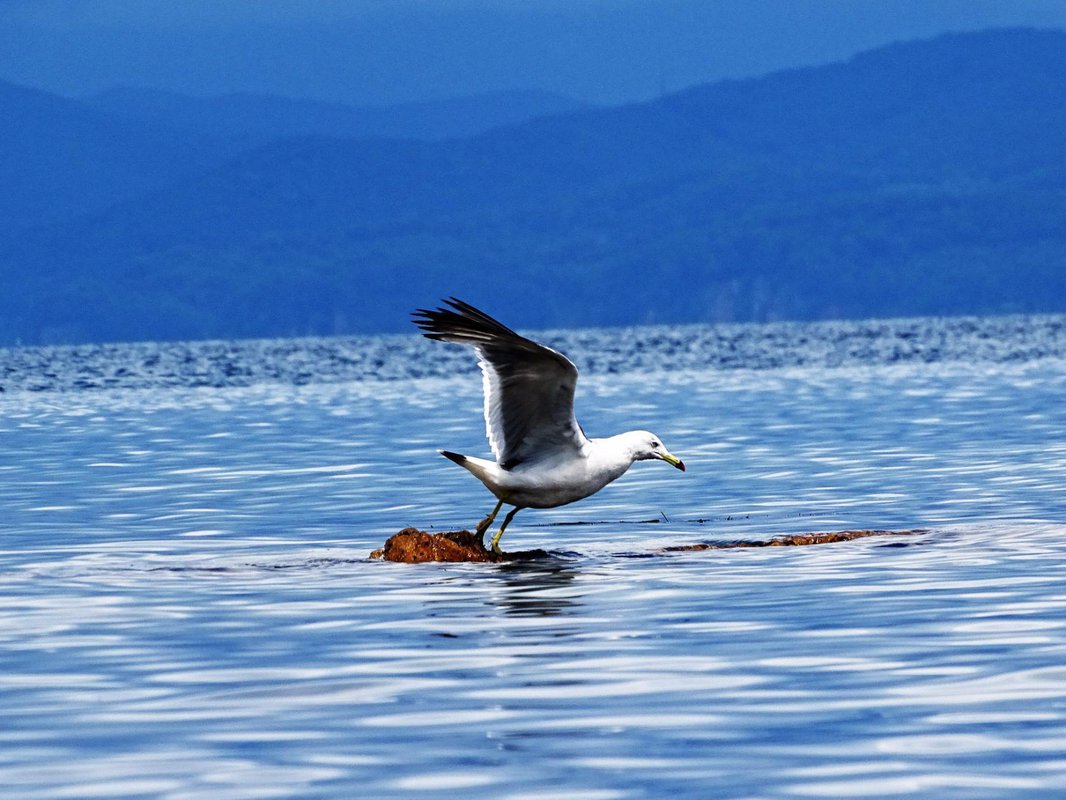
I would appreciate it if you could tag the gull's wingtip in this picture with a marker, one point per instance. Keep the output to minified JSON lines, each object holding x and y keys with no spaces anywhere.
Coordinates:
{"x":429,"y":321}
{"x":457,"y":321}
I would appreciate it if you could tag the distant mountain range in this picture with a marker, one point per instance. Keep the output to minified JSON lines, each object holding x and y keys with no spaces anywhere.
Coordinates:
{"x":255,"y":119}
{"x":62,"y":157}
{"x":919,"y":178}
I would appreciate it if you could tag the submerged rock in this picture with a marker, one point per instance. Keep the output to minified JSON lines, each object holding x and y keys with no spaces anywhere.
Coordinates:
{"x":412,"y":546}
{"x":792,"y":540}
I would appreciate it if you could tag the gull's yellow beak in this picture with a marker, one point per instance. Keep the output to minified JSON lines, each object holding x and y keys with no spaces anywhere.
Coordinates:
{"x":673,"y":461}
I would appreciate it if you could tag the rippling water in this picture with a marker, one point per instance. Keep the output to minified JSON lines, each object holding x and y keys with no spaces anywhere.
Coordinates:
{"x":187,"y":609}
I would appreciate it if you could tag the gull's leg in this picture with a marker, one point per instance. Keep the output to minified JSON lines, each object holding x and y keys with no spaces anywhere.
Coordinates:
{"x":484,"y":524}
{"x":495,"y":544}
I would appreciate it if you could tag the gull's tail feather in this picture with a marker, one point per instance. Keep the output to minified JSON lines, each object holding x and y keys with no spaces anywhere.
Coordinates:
{"x":458,"y":458}
{"x":485,"y":471}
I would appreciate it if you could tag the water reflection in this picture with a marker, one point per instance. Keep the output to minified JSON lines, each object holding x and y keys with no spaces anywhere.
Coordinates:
{"x":541,"y":588}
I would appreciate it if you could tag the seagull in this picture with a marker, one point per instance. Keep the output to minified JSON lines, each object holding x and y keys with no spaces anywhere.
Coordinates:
{"x":543,"y":458}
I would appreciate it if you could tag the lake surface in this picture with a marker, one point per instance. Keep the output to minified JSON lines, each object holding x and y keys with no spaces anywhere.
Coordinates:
{"x":187,"y":609}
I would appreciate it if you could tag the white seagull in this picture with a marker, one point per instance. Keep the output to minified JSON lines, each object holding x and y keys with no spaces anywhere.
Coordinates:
{"x":543,"y":458}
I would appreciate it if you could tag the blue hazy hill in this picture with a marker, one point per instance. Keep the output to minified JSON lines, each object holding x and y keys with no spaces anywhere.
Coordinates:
{"x":259,"y":118}
{"x":64,"y":157}
{"x":919,"y":178}
{"x":60,"y":158}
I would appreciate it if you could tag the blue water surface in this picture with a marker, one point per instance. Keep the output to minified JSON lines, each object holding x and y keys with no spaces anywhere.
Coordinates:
{"x":188,"y":610}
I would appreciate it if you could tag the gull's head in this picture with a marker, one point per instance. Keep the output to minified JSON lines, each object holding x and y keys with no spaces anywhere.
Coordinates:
{"x":648,"y":445}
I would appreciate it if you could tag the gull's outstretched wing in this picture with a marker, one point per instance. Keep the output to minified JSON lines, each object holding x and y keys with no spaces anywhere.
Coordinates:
{"x":529,"y":388}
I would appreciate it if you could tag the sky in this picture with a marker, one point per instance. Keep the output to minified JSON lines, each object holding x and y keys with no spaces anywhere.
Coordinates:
{"x":394,"y":51}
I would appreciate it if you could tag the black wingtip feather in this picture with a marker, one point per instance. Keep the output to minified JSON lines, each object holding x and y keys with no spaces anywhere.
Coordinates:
{"x":460,"y":321}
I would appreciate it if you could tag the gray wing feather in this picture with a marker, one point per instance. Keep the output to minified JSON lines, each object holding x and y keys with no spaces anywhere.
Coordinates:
{"x":529,"y":388}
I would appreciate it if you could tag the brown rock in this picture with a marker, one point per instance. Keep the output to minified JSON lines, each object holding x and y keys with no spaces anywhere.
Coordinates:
{"x":412,"y":546}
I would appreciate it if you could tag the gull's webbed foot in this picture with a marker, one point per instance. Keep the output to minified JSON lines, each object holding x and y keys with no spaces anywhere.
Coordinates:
{"x":495,"y":543}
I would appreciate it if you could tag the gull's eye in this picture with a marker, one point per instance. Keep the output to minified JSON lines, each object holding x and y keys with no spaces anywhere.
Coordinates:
{"x":655,"y":443}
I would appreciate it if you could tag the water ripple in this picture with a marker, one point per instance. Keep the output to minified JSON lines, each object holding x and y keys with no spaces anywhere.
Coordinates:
{"x":187,"y":609}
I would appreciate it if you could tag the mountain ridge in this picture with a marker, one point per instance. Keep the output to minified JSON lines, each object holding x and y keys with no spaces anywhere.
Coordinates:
{"x":919,"y":178}
{"x":257,"y":118}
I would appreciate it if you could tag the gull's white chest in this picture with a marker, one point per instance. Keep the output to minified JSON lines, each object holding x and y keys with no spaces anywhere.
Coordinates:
{"x":557,"y":481}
